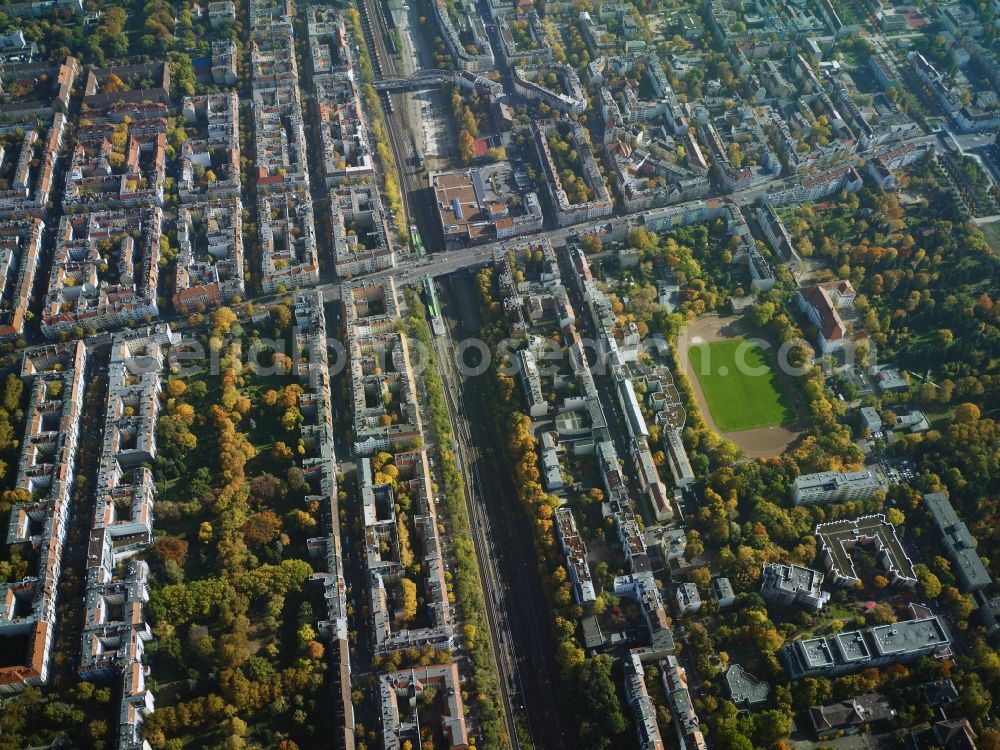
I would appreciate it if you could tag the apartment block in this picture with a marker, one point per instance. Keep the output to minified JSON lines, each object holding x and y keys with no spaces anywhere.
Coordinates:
{"x":745,"y":690}
{"x":686,"y":722}
{"x":523,"y":40}
{"x":688,"y":598}
{"x":387,"y":420}
{"x":20,"y":250}
{"x":575,"y":551}
{"x":55,"y":377}
{"x":573,"y":213}
{"x":619,"y":507}
{"x":359,"y":231}
{"x":534,"y":83}
{"x":279,"y":138}
{"x":209,"y":268}
{"x":383,"y":555}
{"x":343,"y":129}
{"x":677,"y":458}
{"x":464,"y":33}
{"x":398,"y":694}
{"x":641,"y":586}
{"x":878,"y":646}
{"x":35,"y":91}
{"x":643,"y":98}
{"x":31,"y":185}
{"x":827,"y":487}
{"x":120,"y":152}
{"x":221,"y":12}
{"x":789,"y":585}
{"x":289,"y":256}
{"x":380,"y":364}
{"x":816,"y":187}
{"x":637,"y":695}
{"x":651,"y":176}
{"x":329,"y":42}
{"x":105,"y":271}
{"x":210,"y":163}
{"x":723,"y":592}
{"x":958,"y":543}
{"x":837,"y":540}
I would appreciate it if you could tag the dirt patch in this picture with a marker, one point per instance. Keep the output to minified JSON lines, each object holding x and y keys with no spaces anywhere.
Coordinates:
{"x":760,"y":442}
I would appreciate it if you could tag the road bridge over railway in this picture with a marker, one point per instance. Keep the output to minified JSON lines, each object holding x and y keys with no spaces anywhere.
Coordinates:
{"x":423,"y":79}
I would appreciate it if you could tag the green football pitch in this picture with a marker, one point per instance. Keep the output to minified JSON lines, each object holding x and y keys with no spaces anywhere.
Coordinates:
{"x":740,"y":397}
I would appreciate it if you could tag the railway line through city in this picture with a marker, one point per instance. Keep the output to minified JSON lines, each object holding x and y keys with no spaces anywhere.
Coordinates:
{"x":504,"y":534}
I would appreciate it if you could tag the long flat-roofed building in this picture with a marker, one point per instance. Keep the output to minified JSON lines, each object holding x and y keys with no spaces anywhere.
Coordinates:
{"x":834,"y":487}
{"x":878,"y":646}
{"x":958,"y":543}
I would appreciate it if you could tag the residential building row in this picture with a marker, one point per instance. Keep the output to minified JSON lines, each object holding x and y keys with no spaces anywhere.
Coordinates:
{"x":968,"y":118}
{"x":575,"y":551}
{"x":55,"y":379}
{"x":289,"y":257}
{"x":643,"y":709}
{"x":343,"y":127}
{"x":20,"y":251}
{"x":115,"y":631}
{"x":319,"y":466}
{"x":686,"y":723}
{"x":958,"y":542}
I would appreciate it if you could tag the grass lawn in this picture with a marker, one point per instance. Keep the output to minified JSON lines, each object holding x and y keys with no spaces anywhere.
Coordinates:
{"x":740,"y":400}
{"x":992,"y":233}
